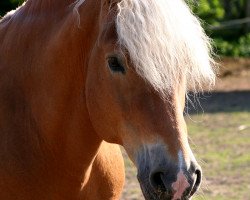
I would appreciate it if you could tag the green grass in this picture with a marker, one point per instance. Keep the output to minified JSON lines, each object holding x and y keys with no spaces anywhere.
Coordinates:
{"x":222,"y":144}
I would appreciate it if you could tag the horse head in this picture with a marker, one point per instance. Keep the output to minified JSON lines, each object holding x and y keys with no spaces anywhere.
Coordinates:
{"x":147,"y":55}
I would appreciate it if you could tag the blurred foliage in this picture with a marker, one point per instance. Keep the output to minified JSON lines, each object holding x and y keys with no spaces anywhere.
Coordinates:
{"x":239,"y":47}
{"x":210,"y":11}
{"x":229,"y":41}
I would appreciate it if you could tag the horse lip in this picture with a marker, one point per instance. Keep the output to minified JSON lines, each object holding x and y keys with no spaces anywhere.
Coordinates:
{"x":145,"y":188}
{"x":148,"y":192}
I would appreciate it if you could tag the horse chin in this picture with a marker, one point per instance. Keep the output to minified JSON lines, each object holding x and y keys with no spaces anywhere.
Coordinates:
{"x":149,"y":193}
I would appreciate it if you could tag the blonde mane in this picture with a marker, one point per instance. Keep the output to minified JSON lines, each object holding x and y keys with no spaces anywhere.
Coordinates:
{"x":166,"y":43}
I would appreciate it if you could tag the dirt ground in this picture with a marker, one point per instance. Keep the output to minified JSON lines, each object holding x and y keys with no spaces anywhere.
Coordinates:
{"x":231,"y":94}
{"x":231,"y":91}
{"x":234,"y":75}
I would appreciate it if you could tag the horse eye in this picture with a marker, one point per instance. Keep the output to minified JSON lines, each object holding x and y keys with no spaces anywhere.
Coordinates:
{"x":115,"y":65}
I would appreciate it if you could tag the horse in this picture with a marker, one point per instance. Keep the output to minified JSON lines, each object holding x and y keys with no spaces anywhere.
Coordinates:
{"x":78,"y":78}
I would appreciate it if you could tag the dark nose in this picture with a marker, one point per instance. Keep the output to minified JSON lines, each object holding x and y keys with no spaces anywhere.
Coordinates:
{"x":184,"y":182}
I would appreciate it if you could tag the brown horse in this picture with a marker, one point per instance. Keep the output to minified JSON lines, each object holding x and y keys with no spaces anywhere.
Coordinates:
{"x":79,"y":77}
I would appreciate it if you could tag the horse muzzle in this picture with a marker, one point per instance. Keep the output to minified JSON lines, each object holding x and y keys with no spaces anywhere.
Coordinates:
{"x":161,"y":178}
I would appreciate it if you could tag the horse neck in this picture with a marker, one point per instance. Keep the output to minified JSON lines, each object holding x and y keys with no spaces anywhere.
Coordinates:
{"x":43,"y":111}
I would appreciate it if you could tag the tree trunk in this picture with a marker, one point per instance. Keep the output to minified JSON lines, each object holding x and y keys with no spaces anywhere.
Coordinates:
{"x":228,"y":9}
{"x":247,"y":29}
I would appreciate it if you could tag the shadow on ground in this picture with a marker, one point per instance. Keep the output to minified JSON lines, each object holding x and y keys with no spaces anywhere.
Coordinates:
{"x":213,"y":102}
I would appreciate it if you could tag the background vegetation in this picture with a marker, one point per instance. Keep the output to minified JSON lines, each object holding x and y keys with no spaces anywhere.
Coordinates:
{"x":7,"y":5}
{"x":230,"y":39}
{"x":226,"y":22}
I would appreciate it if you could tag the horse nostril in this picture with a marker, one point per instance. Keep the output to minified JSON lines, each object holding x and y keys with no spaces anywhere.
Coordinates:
{"x":197,"y":182}
{"x":198,"y":179}
{"x":156,"y":180}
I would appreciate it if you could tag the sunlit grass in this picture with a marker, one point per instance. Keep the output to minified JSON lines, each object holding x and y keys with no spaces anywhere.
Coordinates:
{"x":222,"y":142}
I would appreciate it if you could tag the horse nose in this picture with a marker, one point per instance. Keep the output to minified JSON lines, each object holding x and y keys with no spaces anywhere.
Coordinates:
{"x":177,"y":183}
{"x":196,"y":178}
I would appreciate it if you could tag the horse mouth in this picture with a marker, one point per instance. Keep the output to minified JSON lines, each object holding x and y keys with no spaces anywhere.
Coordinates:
{"x":150,"y":193}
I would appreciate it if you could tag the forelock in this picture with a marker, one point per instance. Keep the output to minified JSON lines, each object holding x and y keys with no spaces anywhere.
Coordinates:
{"x":166,"y":43}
